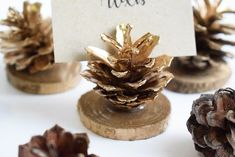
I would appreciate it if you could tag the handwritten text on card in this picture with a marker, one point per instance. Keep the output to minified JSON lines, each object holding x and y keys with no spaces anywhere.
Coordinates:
{"x":122,"y":3}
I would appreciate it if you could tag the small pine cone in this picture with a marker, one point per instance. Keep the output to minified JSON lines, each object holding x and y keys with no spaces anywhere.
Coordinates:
{"x":56,"y":143}
{"x":126,"y":76}
{"x":212,"y":124}
{"x":211,"y":32}
{"x":28,"y":44}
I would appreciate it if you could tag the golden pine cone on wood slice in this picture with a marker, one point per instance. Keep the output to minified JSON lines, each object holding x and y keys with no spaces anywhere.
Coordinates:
{"x":126,"y":76}
{"x":56,"y":143}
{"x":212,"y":34}
{"x":212,"y":124}
{"x":28,"y":43}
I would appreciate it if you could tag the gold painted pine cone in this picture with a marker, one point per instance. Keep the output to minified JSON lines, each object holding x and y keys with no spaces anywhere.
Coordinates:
{"x":56,"y":143}
{"x":212,"y":34}
{"x":28,"y":44}
{"x":125,"y":75}
{"x":212,"y":124}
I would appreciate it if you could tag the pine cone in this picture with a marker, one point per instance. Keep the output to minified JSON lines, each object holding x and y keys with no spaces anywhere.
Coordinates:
{"x":56,"y":143}
{"x":212,"y":124}
{"x":126,"y":76}
{"x":28,"y":44}
{"x":211,"y":35}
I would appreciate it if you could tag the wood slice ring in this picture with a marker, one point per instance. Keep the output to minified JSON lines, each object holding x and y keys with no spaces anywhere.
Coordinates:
{"x":96,"y":115}
{"x":187,"y":81}
{"x":59,"y":78}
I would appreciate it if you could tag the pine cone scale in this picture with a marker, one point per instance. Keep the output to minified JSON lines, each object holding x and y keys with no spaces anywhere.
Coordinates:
{"x":231,"y":138}
{"x":122,"y":74}
{"x":198,"y":136}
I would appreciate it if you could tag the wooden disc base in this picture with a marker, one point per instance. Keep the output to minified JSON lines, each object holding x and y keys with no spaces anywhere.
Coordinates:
{"x":96,"y":115}
{"x":59,"y":78}
{"x":187,"y":81}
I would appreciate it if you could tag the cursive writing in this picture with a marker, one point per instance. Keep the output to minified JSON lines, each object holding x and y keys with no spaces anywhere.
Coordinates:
{"x":123,"y":3}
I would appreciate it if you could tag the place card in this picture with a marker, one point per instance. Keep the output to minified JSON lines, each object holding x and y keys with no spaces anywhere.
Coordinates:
{"x":78,"y":24}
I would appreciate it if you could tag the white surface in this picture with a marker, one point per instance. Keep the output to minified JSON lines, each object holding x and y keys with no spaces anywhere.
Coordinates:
{"x":23,"y":115}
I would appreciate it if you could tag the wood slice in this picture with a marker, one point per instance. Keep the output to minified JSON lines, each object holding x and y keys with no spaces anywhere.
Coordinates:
{"x":97,"y":115}
{"x":187,"y":81}
{"x":59,"y":78}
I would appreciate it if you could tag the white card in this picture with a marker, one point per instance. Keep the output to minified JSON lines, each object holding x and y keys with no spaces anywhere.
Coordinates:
{"x":78,"y":24}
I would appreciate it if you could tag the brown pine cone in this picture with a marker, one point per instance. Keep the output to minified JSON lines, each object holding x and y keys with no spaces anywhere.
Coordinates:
{"x":56,"y":143}
{"x":212,"y":124}
{"x":211,"y":34}
{"x":125,"y":75}
{"x":28,"y":44}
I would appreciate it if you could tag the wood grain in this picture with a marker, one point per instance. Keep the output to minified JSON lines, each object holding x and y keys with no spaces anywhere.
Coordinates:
{"x":59,"y":78}
{"x":187,"y":81}
{"x":96,"y":115}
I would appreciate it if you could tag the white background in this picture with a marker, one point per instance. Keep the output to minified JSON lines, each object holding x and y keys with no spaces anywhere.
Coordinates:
{"x":24,"y":115}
